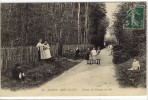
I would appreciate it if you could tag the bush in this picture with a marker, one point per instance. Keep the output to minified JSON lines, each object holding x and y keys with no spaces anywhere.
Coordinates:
{"x":130,"y":41}
{"x":120,"y":57}
{"x":127,"y":78}
{"x":71,"y":54}
{"x":117,"y":48}
{"x":37,"y":74}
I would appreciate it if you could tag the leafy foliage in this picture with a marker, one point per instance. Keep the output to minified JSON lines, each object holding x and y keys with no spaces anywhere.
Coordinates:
{"x":37,"y":74}
{"x":130,"y":40}
{"x":131,"y":43}
{"x":24,"y":23}
{"x":128,"y":78}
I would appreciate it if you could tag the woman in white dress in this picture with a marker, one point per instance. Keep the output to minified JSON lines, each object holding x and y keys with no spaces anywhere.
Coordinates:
{"x":46,"y":51}
{"x":40,"y":50}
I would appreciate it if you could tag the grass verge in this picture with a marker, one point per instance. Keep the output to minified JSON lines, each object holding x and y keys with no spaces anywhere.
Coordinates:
{"x":127,"y":78}
{"x":37,"y":74}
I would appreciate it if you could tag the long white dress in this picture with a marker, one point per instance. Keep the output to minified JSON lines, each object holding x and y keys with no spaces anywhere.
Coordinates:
{"x":40,"y":47}
{"x":46,"y":51}
{"x":135,"y":65}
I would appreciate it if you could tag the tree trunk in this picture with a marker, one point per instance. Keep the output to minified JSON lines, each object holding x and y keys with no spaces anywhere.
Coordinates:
{"x":79,"y":7}
{"x":86,"y":23}
{"x":60,"y":44}
{"x":23,"y":25}
{"x":43,"y":8}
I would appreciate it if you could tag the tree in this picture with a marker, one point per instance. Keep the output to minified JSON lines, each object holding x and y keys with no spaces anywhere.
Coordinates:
{"x":63,"y":23}
{"x":79,"y":9}
{"x":86,"y":23}
{"x":130,"y":40}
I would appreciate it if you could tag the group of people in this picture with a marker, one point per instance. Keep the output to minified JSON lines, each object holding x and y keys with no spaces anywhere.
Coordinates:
{"x":43,"y":50}
{"x":93,"y":56}
{"x":110,"y":48}
{"x":43,"y":54}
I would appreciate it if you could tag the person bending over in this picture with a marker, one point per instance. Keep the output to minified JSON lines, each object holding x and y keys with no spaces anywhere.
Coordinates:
{"x":18,"y":74}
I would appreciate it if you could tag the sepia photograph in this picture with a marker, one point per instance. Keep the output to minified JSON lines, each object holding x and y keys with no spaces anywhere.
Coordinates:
{"x":73,"y":49}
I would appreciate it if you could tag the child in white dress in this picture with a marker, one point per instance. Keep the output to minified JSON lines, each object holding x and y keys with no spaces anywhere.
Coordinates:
{"x":94,"y":53}
{"x":135,"y":65}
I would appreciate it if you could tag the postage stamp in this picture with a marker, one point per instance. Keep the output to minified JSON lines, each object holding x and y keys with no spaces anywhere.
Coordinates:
{"x":73,"y":49}
{"x":135,"y":17}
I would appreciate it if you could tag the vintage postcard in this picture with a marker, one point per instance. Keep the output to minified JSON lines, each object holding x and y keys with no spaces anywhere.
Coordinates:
{"x":73,"y":49}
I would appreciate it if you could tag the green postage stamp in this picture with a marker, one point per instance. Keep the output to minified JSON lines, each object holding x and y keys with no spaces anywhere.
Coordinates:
{"x":135,"y":18}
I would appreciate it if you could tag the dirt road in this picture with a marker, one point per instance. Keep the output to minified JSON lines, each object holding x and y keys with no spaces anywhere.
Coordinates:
{"x":83,"y":80}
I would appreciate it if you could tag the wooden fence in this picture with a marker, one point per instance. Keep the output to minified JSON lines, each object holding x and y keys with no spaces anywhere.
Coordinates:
{"x":10,"y":56}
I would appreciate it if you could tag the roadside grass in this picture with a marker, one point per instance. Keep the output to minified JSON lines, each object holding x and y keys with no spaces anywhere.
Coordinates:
{"x":127,"y":78}
{"x":38,"y":74}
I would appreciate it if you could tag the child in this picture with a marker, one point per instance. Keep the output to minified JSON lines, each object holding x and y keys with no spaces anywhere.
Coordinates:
{"x":98,"y":56}
{"x":77,"y":52}
{"x":110,"y":48}
{"x":94,"y":53}
{"x":87,"y":54}
{"x":135,"y":65}
{"x":18,"y":74}
{"x":90,"y":61}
